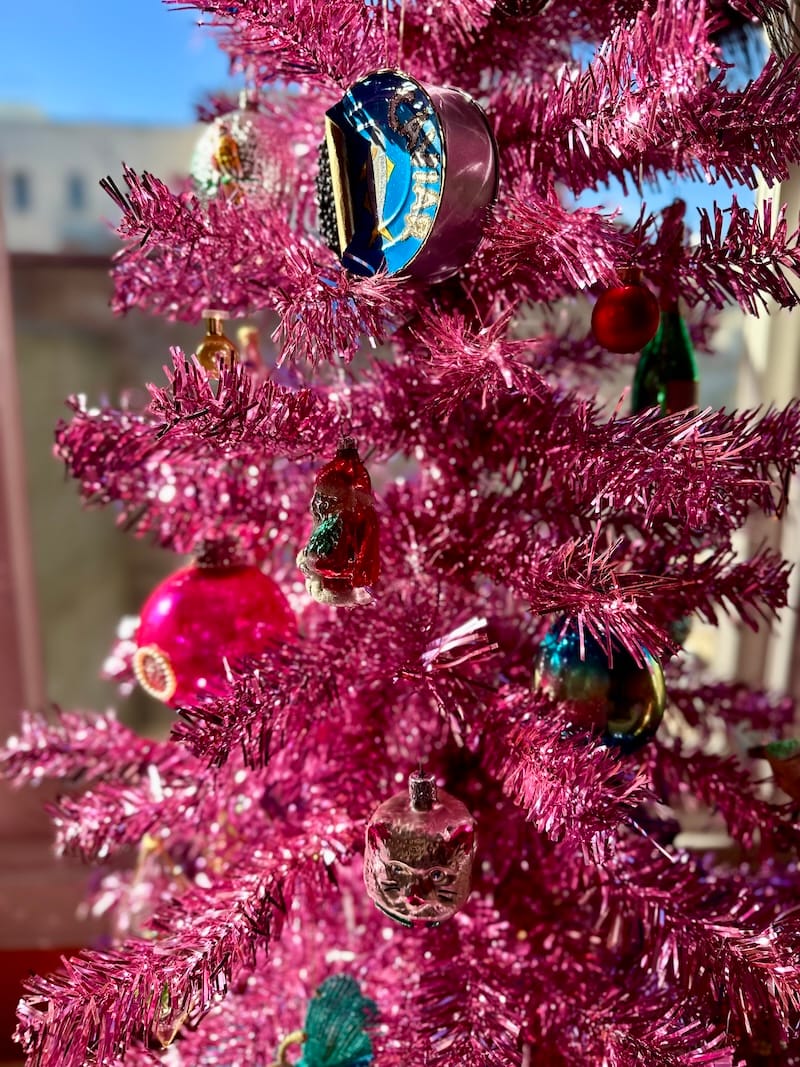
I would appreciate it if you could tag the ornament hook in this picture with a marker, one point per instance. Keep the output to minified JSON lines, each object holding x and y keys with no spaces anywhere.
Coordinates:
{"x":297,"y":1037}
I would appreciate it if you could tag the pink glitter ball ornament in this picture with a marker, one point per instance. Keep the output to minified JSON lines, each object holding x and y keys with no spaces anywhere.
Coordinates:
{"x":198,"y":618}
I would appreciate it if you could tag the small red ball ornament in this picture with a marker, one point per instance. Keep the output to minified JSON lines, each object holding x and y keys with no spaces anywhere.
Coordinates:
{"x":626,"y":317}
{"x":199,"y":617}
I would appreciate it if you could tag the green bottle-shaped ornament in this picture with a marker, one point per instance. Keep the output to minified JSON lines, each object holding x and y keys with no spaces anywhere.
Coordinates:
{"x":666,"y":374}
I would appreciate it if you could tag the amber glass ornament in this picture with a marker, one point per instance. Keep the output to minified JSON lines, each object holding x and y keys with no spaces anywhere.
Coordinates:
{"x":215,"y":350}
{"x":341,"y":559}
{"x":626,"y":316}
{"x":419,"y":851}
{"x":622,"y":701}
{"x":250,"y":350}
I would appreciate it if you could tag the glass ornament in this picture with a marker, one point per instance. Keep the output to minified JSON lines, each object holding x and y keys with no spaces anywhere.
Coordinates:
{"x":341,"y":558}
{"x":666,"y":374}
{"x":237,"y":156}
{"x":626,"y":317}
{"x":335,"y":1033}
{"x":783,"y":758}
{"x":623,"y":701}
{"x":199,"y":617}
{"x":412,"y":171}
{"x":418,"y":857}
{"x":215,"y":350}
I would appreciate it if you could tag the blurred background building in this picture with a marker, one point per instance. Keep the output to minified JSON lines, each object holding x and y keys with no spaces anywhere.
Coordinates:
{"x":51,"y":170}
{"x":59,"y":236}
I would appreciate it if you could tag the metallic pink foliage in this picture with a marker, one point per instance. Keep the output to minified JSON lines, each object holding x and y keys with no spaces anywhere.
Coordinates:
{"x":506,"y":497}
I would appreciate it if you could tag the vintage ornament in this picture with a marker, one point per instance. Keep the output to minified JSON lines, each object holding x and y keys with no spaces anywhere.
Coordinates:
{"x":666,"y":374}
{"x":239,"y":156}
{"x":336,"y":1031}
{"x":419,"y":851}
{"x":341,"y":559}
{"x":783,"y":758}
{"x":623,"y":701}
{"x":413,"y":170}
{"x":250,"y":348}
{"x":200,"y":617}
{"x":216,"y":350}
{"x":626,"y":316}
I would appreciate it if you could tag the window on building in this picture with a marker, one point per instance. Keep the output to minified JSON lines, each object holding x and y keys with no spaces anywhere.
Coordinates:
{"x":20,"y":191}
{"x":76,"y":192}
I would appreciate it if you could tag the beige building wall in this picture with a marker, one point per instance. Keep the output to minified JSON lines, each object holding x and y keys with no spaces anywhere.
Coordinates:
{"x":49,"y":175}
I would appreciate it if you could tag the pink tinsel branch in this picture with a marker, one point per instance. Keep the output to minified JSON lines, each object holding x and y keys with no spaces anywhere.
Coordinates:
{"x":654,"y":1032}
{"x":556,"y":250}
{"x":608,"y":118}
{"x":746,"y":261}
{"x":723,"y":785}
{"x":735,"y":703}
{"x":463,"y":1009}
{"x":206,"y":939}
{"x":182,"y":257}
{"x":465,"y":363}
{"x":573,"y":789}
{"x":81,"y":748}
{"x":707,"y":932}
{"x":297,"y":40}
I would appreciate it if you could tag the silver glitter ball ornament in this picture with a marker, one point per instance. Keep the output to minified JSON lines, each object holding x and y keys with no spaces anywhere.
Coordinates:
{"x":237,"y":157}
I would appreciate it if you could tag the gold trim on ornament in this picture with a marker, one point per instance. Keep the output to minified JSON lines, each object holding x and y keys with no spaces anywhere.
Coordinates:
{"x":154,"y":672}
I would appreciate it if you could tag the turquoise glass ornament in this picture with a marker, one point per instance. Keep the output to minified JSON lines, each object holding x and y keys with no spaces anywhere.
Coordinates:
{"x":336,"y":1027}
{"x":622,"y":701}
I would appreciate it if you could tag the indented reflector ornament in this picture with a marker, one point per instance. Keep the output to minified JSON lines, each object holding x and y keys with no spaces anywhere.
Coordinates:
{"x":412,"y":173}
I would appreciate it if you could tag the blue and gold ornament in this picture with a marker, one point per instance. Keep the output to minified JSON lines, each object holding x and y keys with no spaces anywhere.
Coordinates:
{"x":411,"y":172}
{"x":622,"y":701}
{"x":336,"y":1031}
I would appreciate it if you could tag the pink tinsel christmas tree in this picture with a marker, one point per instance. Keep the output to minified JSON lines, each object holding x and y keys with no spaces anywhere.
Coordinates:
{"x":589,"y":937}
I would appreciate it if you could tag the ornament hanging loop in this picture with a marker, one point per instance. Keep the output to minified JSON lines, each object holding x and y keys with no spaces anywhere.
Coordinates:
{"x":297,"y":1037}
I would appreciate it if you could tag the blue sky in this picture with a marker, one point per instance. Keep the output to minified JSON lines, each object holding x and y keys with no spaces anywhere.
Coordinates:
{"x":139,"y":61}
{"x":108,"y":60}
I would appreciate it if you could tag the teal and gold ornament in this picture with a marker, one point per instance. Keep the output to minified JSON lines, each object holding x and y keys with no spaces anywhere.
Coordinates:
{"x":336,"y":1031}
{"x":666,"y":374}
{"x":622,"y":700}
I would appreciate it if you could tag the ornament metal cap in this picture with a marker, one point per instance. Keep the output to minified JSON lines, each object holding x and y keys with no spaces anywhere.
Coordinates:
{"x":422,"y":791}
